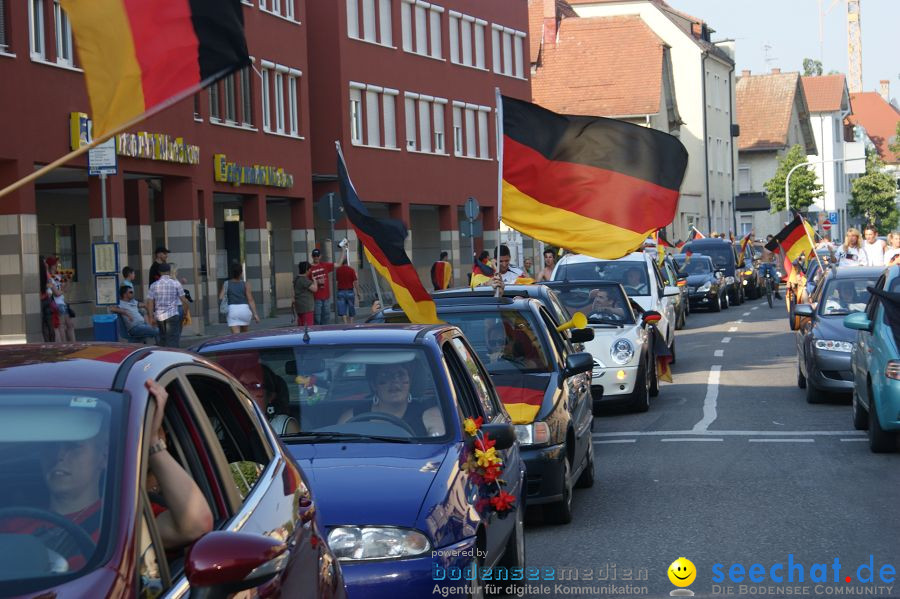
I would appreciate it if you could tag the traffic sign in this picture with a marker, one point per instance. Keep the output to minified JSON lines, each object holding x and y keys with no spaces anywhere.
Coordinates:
{"x":826,"y":226}
{"x":472,"y":209}
{"x":833,"y":217}
{"x":102,"y":160}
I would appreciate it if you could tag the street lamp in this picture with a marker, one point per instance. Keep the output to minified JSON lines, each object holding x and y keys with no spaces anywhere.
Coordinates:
{"x":787,"y":180}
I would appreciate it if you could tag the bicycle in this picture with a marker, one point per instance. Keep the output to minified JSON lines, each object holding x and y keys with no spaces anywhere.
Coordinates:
{"x":769,"y":284}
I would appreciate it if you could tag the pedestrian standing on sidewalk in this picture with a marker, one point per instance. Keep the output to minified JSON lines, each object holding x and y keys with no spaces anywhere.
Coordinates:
{"x":347,"y":291}
{"x":57,"y":286}
{"x":160,"y":256}
{"x":319,"y":273}
{"x":441,"y":273}
{"x":128,"y":275}
{"x":304,"y":300}
{"x":164,"y":299}
{"x":241,"y":306}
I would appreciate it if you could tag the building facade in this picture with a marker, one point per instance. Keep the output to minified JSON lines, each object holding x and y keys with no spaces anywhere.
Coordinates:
{"x":704,"y":90}
{"x":222,"y":176}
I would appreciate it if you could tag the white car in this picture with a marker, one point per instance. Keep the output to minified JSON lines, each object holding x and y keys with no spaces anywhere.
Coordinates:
{"x":639,"y":276}
{"x":624,"y":368}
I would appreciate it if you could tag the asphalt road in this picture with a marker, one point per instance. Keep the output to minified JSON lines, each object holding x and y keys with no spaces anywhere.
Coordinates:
{"x":740,"y":472}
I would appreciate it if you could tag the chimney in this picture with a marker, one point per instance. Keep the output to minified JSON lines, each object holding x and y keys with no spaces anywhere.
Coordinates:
{"x":697,"y":30}
{"x":776,"y":71}
{"x":550,"y":24}
{"x":745,"y":73}
{"x":885,"y":90}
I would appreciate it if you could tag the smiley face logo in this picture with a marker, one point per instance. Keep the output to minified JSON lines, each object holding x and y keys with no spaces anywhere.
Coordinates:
{"x":682,"y":572}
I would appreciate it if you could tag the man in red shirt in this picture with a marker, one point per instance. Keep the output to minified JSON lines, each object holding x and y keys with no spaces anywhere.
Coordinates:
{"x":319,"y":272}
{"x":347,"y":291}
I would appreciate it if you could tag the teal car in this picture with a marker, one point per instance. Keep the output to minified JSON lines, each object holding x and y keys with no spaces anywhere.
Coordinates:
{"x":875,"y":363}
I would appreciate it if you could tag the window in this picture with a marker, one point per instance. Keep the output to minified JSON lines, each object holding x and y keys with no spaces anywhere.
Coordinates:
{"x":282,"y":99}
{"x":65,"y":248}
{"x":424,"y":123}
{"x":837,"y":130}
{"x":508,"y":51}
{"x":246,"y":98}
{"x":376,"y":26}
{"x":36,"y":29}
{"x":479,"y":377}
{"x":466,"y":40}
{"x":215,"y":112}
{"x":439,"y":145}
{"x":282,"y":8}
{"x":471,"y":130}
{"x":197,"y":115}
{"x":64,"y":54}
{"x":743,"y":179}
{"x":421,"y":28}
{"x":728,"y":157}
{"x":374,"y":106}
{"x":230,"y":99}
{"x":4,"y":43}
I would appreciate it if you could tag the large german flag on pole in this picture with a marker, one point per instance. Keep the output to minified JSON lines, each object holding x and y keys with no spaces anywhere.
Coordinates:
{"x":794,"y":240}
{"x":139,"y":55}
{"x":595,"y":186}
{"x":382,"y":239}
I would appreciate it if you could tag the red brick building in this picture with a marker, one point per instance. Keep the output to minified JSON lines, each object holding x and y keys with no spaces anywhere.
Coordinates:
{"x":172,"y":186}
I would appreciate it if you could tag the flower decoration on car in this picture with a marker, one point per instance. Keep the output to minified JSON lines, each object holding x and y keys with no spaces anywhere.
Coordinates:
{"x":484,"y":465}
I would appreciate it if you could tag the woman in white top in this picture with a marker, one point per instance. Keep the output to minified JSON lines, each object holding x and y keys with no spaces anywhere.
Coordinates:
{"x":873,"y":247}
{"x":851,"y":252}
{"x":892,"y":253}
{"x":57,"y":287}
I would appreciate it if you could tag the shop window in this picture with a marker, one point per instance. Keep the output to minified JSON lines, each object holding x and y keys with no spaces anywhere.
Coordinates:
{"x":65,"y":248}
{"x":64,"y":55}
{"x":38,"y":44}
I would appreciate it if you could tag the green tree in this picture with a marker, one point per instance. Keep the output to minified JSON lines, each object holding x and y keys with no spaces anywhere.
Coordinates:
{"x":875,"y":195}
{"x":895,"y":145}
{"x":812,"y":67}
{"x":804,"y":188}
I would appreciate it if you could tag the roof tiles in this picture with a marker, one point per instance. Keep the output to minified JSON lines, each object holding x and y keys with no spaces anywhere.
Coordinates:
{"x":765,"y":104}
{"x":824,"y":93}
{"x":879,"y":119}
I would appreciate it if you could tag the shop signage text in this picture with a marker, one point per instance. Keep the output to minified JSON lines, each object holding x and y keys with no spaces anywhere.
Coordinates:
{"x":230,"y":172}
{"x":150,"y":146}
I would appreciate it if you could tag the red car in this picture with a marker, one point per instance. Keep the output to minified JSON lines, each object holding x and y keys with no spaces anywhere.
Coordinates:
{"x":88,"y":505}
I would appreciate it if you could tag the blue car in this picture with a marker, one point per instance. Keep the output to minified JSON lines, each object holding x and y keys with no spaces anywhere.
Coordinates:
{"x":875,"y":362}
{"x":383,"y":420}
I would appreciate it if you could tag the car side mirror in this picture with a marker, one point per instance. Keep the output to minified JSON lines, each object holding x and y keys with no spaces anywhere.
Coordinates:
{"x":222,"y":563}
{"x":576,"y":364}
{"x":582,"y":335}
{"x":671,"y":291}
{"x":651,"y":317}
{"x":503,"y":434}
{"x":803,"y":310}
{"x":858,"y":321}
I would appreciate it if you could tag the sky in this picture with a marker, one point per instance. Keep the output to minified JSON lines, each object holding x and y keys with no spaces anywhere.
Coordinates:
{"x":791,"y":30}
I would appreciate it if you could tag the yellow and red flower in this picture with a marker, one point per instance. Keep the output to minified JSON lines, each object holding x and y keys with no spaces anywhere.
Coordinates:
{"x":503,"y":501}
{"x":473,"y":425}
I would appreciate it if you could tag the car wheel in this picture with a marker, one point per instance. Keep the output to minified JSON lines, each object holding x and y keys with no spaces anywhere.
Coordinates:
{"x":586,"y":480}
{"x":679,"y":320}
{"x":513,"y":557}
{"x":801,"y":380}
{"x":672,"y":350}
{"x":654,"y":377}
{"x":726,"y":301}
{"x":813,"y":394}
{"x":717,"y":307}
{"x":561,"y":511}
{"x":880,"y":440}
{"x":860,"y":416}
{"x":640,"y":397}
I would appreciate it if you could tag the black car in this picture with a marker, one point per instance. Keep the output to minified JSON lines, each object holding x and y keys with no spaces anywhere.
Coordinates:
{"x":706,"y":285}
{"x":823,"y":342}
{"x":543,"y":383}
{"x":724,"y":259}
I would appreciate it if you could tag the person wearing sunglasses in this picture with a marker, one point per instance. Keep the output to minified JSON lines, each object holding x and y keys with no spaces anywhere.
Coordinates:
{"x":390,"y":385}
{"x":130,"y":309}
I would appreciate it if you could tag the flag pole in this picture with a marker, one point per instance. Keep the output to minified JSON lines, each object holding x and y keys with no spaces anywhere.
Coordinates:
{"x":498,"y":126}
{"x":811,"y":241}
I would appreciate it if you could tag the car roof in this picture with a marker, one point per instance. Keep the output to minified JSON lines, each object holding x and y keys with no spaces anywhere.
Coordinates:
{"x":856,"y":272}
{"x":708,"y":241}
{"x":535,"y":291}
{"x":582,"y":283}
{"x":465,"y":304}
{"x":388,"y":334}
{"x":581,"y":258}
{"x":683,"y":257}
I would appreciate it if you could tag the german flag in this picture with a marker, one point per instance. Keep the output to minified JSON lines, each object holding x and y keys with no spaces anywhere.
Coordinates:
{"x":139,"y":55}
{"x":661,"y":239}
{"x":522,"y":395}
{"x":383,"y":240}
{"x":482,"y":272}
{"x":592,"y":185}
{"x":794,"y":240}
{"x":695,"y":234}
{"x":663,"y":357}
{"x":745,"y":241}
{"x":441,"y":273}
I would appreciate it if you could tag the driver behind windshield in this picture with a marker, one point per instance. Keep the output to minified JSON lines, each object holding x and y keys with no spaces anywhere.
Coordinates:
{"x":390,"y":385}
{"x":605,"y":306}
{"x":845,"y":300}
{"x":634,"y":281}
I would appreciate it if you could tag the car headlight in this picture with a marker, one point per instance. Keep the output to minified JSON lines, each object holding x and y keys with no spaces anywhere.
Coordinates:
{"x":748,"y":272}
{"x":729,"y":280}
{"x":830,"y":345}
{"x":622,"y":351}
{"x":705,"y":287}
{"x":352,"y":543}
{"x":536,"y":433}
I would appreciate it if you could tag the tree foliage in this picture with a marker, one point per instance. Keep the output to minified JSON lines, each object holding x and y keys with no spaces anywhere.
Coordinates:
{"x":875,"y":195}
{"x":812,"y":67}
{"x":804,"y":188}
{"x":895,"y":145}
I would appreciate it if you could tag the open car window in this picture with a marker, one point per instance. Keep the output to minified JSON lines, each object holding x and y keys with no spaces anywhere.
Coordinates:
{"x":633,"y":276}
{"x":507,"y":341}
{"x":602,"y":304}
{"x":363,"y":390}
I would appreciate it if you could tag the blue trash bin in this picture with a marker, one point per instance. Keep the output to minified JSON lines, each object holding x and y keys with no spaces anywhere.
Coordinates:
{"x":105,"y":327}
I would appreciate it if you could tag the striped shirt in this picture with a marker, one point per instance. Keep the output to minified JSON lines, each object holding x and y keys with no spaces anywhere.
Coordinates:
{"x":166,"y":294}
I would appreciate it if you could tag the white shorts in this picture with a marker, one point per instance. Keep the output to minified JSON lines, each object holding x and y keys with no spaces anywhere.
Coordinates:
{"x":239,"y":315}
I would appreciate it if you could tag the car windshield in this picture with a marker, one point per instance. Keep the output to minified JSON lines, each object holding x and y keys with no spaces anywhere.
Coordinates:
{"x":58,"y":488}
{"x":602,"y":305}
{"x":367,"y":391}
{"x":722,"y":256}
{"x":844,"y":296}
{"x":694,"y":266}
{"x":505,"y":340}
{"x":632,"y":275}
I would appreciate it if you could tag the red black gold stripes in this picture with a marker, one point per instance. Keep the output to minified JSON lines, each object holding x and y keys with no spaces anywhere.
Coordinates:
{"x":595,"y":186}
{"x":522,"y":395}
{"x":795,"y":239}
{"x":383,"y":242}
{"x":441,"y":273}
{"x":137,"y":54}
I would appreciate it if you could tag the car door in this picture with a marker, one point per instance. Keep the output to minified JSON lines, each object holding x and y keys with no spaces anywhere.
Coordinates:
{"x":861,"y":356}
{"x":478,"y":399}
{"x":666,"y":305}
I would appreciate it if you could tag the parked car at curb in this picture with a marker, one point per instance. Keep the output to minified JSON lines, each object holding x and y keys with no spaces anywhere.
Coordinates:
{"x":875,"y":361}
{"x":381,"y":412}
{"x":76,"y":418}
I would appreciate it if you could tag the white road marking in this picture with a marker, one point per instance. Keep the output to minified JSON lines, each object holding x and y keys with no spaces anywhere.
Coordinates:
{"x":862,"y":439}
{"x":846,"y":434}
{"x":747,"y":313}
{"x":726,"y":339}
{"x":732,"y":329}
{"x":738,"y":322}
{"x":755,"y":308}
{"x":693,"y":440}
{"x":709,"y":402}
{"x":718,"y":353}
{"x":616,"y":441}
{"x":782,"y":440}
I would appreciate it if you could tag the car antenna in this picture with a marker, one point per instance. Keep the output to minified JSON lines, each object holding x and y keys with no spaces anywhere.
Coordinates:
{"x":305,"y":333}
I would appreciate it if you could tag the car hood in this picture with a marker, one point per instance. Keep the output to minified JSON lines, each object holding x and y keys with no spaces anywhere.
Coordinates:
{"x":697,"y":280}
{"x":832,"y":327}
{"x":644,"y":301}
{"x":369,"y":483}
{"x":524,"y":395}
